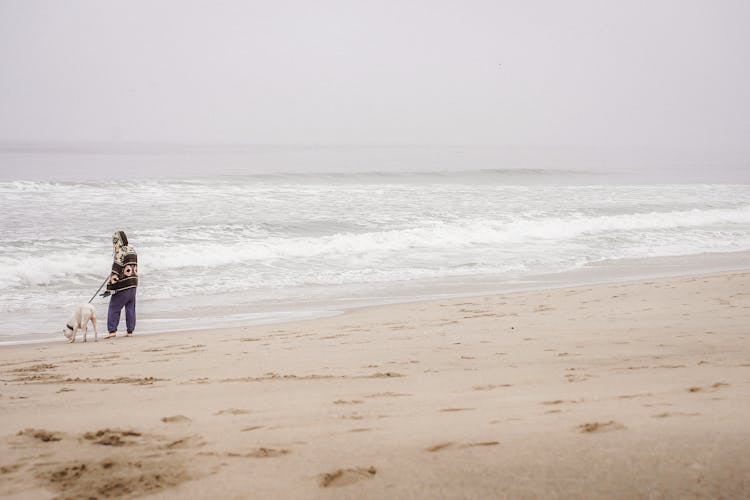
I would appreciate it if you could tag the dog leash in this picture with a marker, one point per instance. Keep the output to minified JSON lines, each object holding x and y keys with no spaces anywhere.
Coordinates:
{"x":100,"y":287}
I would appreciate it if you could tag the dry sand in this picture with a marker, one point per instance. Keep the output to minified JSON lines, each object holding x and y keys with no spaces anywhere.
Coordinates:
{"x":628,"y":390}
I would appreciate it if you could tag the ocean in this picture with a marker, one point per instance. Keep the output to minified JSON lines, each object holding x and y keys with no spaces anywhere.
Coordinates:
{"x":236,"y":250}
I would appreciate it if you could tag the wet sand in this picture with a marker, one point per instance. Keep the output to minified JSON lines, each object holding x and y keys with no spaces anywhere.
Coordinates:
{"x":623,"y":390}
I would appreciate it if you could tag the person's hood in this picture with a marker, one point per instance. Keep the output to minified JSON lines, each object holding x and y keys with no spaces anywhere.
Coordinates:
{"x":119,"y":240}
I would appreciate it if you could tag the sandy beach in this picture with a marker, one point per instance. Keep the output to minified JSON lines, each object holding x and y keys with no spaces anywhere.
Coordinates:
{"x":623,"y":390}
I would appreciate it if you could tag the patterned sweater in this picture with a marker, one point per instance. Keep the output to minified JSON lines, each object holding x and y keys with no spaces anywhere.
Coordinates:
{"x":125,"y":265}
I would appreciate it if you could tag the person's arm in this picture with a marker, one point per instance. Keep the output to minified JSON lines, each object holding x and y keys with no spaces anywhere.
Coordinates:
{"x":114,"y":274}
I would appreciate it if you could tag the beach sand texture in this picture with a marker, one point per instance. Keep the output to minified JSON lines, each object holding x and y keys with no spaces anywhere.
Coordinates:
{"x":623,"y":390}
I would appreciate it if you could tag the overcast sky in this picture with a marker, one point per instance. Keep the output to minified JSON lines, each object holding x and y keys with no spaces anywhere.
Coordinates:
{"x":662,"y":75}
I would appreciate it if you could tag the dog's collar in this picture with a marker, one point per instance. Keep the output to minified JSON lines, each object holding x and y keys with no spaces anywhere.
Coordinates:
{"x":69,"y":327}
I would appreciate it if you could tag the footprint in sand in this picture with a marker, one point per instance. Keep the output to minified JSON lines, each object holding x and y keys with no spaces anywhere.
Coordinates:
{"x":102,"y":437}
{"x":388,"y":395}
{"x":251,"y":428}
{"x":112,"y":437}
{"x":571,"y":377}
{"x":345,"y":477}
{"x":266,"y":453}
{"x":35,"y":368}
{"x":186,"y":442}
{"x":639,"y":395}
{"x":112,"y":478}
{"x":41,"y":434}
{"x":712,"y":388}
{"x":490,"y":387}
{"x":675,"y":414}
{"x":9,"y":469}
{"x":443,"y":446}
{"x":256,"y":453}
{"x":353,"y":416}
{"x":232,"y":411}
{"x":439,"y":446}
{"x":114,"y":380}
{"x":480,"y":443}
{"x":553,"y":402}
{"x":176,"y":419}
{"x":591,"y":427}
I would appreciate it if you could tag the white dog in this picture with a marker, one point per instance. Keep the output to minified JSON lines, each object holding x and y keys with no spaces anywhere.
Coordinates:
{"x":79,"y":320}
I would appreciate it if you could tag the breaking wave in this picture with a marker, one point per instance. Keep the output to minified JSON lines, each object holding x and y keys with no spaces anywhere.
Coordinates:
{"x":279,"y":237}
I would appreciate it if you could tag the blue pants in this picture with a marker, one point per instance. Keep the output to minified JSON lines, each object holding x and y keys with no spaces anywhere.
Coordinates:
{"x":124,"y":298}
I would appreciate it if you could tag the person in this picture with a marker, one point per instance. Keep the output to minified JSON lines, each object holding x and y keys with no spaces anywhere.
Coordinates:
{"x":122,"y":285}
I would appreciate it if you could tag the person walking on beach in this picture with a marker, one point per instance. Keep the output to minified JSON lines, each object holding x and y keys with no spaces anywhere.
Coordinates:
{"x":122,"y":285}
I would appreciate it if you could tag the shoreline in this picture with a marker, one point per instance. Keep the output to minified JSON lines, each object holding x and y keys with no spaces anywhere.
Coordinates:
{"x":426,"y":302}
{"x":626,"y":390}
{"x":597,"y":273}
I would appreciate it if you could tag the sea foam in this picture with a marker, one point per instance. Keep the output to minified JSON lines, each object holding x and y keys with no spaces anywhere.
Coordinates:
{"x":283,"y":237}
